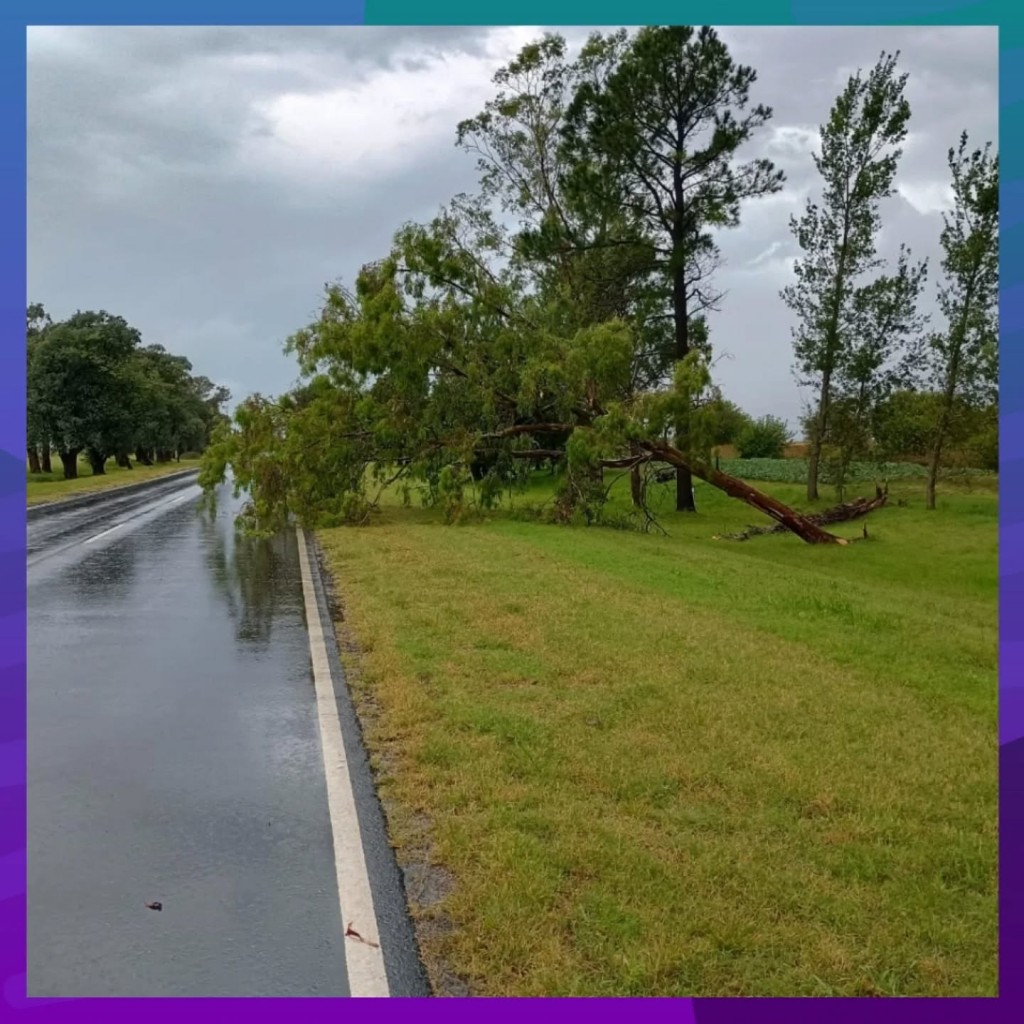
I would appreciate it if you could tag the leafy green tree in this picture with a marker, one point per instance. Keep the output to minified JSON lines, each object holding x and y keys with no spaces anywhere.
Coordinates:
{"x":588,"y":263}
{"x":81,"y":386}
{"x":92,"y":387}
{"x":729,"y":421}
{"x":764,"y":438}
{"x":473,"y":350}
{"x":860,"y":149}
{"x":963,"y":360}
{"x":653,"y":132}
{"x":38,"y":320}
{"x":882,"y":355}
{"x":434,"y":360}
{"x":903,"y":424}
{"x":170,"y":415}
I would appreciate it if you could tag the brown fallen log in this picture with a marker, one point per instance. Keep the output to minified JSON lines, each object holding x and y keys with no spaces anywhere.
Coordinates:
{"x":843,"y":513}
{"x":787,"y":518}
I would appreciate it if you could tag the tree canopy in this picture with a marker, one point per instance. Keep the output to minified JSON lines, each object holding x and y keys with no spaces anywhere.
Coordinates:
{"x":93,"y":387}
{"x":558,"y":314}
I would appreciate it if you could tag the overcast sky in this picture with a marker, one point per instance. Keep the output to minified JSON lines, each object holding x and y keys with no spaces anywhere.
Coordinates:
{"x":205,"y":183}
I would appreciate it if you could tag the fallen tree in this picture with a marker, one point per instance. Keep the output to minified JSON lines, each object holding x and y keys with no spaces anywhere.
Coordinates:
{"x":437,"y":374}
{"x":807,"y":528}
{"x":844,"y":512}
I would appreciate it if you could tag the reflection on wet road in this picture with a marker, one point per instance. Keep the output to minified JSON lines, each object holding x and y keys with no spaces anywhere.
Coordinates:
{"x":174,"y":757}
{"x":51,"y":526}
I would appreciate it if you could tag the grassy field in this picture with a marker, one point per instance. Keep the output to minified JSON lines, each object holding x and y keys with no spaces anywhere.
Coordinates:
{"x":53,"y":487}
{"x":617,"y":763}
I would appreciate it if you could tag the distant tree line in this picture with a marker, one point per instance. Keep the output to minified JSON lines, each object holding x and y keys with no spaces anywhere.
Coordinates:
{"x":93,"y":388}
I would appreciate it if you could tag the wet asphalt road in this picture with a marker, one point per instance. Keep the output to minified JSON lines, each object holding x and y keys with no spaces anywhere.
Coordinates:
{"x":174,"y":756}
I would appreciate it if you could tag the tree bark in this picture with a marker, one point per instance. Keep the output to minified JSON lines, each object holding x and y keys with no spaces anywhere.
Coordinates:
{"x":681,"y":325}
{"x":69,"y":460}
{"x":818,"y":437}
{"x":47,"y":465}
{"x":636,"y":487}
{"x":143,"y":457}
{"x":684,"y":475}
{"x":123,"y":460}
{"x":844,"y":513}
{"x":33,"y":460}
{"x":948,"y":399}
{"x":792,"y":520}
{"x":98,"y":462}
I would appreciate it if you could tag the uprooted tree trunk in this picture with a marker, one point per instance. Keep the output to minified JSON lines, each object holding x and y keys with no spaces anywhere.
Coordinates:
{"x":803,"y":526}
{"x":661,"y":451}
{"x":842,"y":513}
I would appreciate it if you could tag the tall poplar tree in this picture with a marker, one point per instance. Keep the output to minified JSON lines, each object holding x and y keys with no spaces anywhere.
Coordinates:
{"x":860,"y":149}
{"x":964,"y":359}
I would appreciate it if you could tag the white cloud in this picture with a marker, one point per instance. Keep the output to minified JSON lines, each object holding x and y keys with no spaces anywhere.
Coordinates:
{"x":381,"y":123}
{"x":205,"y":181}
{"x":793,"y":141}
{"x":56,"y":40}
{"x":927,"y":197}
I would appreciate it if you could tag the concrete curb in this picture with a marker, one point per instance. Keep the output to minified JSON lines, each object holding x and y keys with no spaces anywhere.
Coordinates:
{"x":405,"y":972}
{"x":47,"y":508}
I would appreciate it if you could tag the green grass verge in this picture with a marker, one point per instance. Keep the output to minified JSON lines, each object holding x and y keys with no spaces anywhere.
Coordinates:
{"x":53,"y":487}
{"x":640,"y":765}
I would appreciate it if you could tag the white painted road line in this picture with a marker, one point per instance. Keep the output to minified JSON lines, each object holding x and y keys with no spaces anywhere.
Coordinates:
{"x":145,"y":511}
{"x":105,"y":532}
{"x":365,"y":961}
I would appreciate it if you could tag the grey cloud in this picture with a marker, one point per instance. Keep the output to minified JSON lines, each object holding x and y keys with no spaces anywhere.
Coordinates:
{"x":138,"y":203}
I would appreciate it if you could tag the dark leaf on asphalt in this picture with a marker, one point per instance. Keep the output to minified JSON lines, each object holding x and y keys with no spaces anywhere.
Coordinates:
{"x":351,"y":933}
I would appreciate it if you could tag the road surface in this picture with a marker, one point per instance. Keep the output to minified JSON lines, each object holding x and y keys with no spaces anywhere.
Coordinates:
{"x":176,"y":756}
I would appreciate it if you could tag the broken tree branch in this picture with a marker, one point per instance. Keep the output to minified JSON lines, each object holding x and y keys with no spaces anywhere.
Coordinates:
{"x":807,"y":530}
{"x":842,"y":513}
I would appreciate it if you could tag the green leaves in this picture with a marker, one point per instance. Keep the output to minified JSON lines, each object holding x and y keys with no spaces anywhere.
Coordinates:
{"x":962,"y":361}
{"x":964,"y":357}
{"x":860,"y":149}
{"x":764,"y":438}
{"x":79,"y":386}
{"x":92,"y":385}
{"x":851,"y":326}
{"x":559,"y":314}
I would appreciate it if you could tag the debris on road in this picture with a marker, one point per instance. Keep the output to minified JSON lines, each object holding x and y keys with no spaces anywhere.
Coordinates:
{"x":351,"y":933}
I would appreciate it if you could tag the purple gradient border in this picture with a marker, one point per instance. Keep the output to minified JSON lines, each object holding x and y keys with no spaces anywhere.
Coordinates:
{"x":16,"y":14}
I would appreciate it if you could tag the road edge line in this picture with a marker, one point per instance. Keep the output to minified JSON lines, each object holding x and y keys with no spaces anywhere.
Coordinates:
{"x":364,"y":959}
{"x":41,"y":509}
